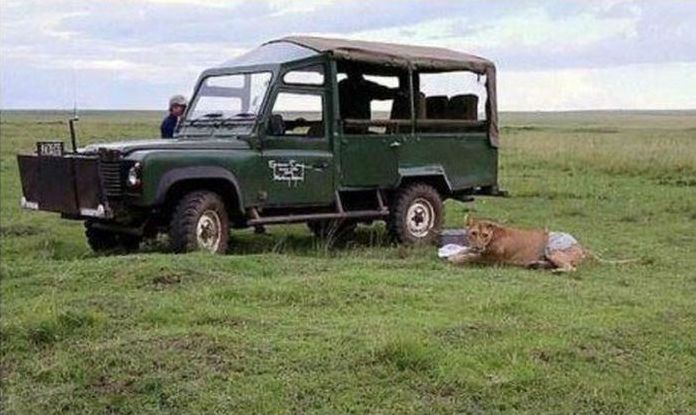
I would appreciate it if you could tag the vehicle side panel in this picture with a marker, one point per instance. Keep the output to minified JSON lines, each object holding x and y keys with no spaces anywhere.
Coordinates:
{"x":244,"y":165}
{"x":468,"y":159}
{"x":369,"y":160}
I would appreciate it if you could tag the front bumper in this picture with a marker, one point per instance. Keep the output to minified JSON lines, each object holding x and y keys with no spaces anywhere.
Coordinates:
{"x":100,"y":212}
{"x":73,"y":185}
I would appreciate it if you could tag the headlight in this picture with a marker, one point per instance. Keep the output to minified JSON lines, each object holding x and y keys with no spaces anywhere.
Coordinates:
{"x":134,"y":179}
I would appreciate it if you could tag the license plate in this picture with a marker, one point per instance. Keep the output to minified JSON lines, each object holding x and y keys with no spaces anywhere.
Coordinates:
{"x":50,"y":148}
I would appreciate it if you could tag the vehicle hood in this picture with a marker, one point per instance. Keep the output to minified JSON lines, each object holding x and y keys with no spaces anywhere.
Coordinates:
{"x":126,"y":147}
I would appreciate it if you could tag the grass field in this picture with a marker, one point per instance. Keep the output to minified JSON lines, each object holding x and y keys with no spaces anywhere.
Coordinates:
{"x":285,"y":325}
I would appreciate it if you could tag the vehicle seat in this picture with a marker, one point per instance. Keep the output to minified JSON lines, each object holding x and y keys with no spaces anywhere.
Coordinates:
{"x":420,"y":105}
{"x":401,"y":108}
{"x":436,"y":107}
{"x":463,"y":107}
{"x":316,"y":130}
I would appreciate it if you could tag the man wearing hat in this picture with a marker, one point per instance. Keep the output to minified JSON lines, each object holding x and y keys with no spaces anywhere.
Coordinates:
{"x":177,"y":106}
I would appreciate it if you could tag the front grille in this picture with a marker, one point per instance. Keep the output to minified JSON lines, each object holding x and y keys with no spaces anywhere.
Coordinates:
{"x":110,"y":172}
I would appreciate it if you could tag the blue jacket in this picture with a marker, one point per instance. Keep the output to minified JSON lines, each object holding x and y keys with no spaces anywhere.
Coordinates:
{"x":168,"y":126}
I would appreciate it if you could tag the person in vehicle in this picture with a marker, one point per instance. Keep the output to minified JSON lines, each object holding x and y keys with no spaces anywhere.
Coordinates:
{"x":356,"y":92}
{"x":177,"y":106}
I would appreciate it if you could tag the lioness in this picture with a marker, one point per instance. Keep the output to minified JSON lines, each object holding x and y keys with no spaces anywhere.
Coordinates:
{"x":492,"y":243}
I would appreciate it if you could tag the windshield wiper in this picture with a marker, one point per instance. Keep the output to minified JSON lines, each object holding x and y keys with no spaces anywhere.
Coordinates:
{"x":216,"y":119}
{"x":244,"y":115}
{"x":208,"y":118}
{"x":241,"y":118}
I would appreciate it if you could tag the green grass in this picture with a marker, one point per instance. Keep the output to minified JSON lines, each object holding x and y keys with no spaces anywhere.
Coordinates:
{"x":285,"y":325}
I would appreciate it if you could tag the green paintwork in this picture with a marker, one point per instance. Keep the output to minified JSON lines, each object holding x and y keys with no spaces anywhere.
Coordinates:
{"x":369,"y":160}
{"x":331,"y":164}
{"x":468,"y":159}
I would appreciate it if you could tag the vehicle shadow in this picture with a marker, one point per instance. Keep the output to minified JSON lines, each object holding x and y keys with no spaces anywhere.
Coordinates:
{"x":290,"y":239}
{"x":298,"y":240}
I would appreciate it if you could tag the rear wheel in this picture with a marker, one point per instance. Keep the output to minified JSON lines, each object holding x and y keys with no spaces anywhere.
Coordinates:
{"x":199,"y":223}
{"x":101,"y":240}
{"x":416,"y":215}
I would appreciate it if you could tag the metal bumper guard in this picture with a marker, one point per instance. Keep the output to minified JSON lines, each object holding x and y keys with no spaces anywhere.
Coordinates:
{"x":72,"y":185}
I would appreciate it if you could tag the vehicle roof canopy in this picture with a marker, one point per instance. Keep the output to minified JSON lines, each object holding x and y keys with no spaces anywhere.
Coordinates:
{"x":418,"y":57}
{"x":421,"y":58}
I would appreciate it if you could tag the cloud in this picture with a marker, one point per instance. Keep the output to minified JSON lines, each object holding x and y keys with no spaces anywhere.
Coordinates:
{"x":640,"y":86}
{"x":160,"y":46}
{"x":222,"y":4}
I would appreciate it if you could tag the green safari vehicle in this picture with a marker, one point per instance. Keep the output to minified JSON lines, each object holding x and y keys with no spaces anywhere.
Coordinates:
{"x":329,"y":132}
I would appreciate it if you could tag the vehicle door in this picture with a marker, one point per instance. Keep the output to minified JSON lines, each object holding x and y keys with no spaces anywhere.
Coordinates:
{"x":452,"y":129}
{"x":296,"y":148}
{"x":370,"y":147}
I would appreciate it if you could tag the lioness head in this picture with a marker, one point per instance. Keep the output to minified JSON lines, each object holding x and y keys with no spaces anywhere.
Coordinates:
{"x":480,"y":233}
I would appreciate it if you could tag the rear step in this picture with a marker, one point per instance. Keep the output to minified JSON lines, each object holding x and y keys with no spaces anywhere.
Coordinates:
{"x":340,"y":213}
{"x":358,"y":214}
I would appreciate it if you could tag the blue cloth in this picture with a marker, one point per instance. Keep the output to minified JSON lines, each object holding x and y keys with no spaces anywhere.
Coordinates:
{"x":559,"y":241}
{"x":168,"y":126}
{"x":451,"y":250}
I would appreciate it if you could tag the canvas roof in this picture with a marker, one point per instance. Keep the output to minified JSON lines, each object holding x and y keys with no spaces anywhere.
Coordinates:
{"x":419,"y":57}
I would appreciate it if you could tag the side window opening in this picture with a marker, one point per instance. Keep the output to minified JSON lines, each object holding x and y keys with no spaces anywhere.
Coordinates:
{"x":311,"y":75}
{"x":297,"y":115}
{"x":383,"y":109}
{"x":372,"y":100}
{"x":451,"y":101}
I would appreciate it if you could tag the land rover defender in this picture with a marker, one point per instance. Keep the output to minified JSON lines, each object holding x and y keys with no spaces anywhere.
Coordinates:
{"x":329,"y":132}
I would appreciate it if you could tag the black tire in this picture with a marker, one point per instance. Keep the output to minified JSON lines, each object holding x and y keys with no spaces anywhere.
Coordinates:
{"x":332,"y":229}
{"x":423,"y":204}
{"x":202,"y":211}
{"x":130,"y":243}
{"x":101,"y":240}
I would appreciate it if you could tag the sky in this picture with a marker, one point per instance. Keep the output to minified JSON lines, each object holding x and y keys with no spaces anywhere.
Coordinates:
{"x":551,"y":55}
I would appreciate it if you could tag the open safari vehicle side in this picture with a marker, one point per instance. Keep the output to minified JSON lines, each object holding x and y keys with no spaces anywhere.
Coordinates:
{"x":302,"y":129}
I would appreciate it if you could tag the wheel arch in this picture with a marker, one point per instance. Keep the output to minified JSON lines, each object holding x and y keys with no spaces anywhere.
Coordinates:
{"x":434,"y":176}
{"x":175,"y":183}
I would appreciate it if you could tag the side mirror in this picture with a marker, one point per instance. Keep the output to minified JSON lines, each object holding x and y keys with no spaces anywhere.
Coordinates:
{"x":276,"y":125}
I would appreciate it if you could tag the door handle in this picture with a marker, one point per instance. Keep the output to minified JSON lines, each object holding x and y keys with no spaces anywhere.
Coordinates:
{"x":320,"y":166}
{"x":395,"y":144}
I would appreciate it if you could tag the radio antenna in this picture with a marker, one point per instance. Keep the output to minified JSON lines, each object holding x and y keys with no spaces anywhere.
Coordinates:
{"x":74,"y":76}
{"x":74,"y":118}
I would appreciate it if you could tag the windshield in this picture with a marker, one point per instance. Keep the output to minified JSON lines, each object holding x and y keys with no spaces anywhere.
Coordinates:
{"x":229,"y":100}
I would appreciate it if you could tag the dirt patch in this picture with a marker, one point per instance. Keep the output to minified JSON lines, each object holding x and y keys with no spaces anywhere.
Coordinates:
{"x":677,"y":182}
{"x":167,"y":280}
{"x":201,"y":351}
{"x":104,"y":385}
{"x":51,"y":123}
{"x":549,"y":194}
{"x":595,"y":130}
{"x":523,"y":128}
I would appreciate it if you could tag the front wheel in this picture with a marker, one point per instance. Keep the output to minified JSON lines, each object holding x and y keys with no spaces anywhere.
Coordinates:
{"x":416,"y":215}
{"x":199,"y":223}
